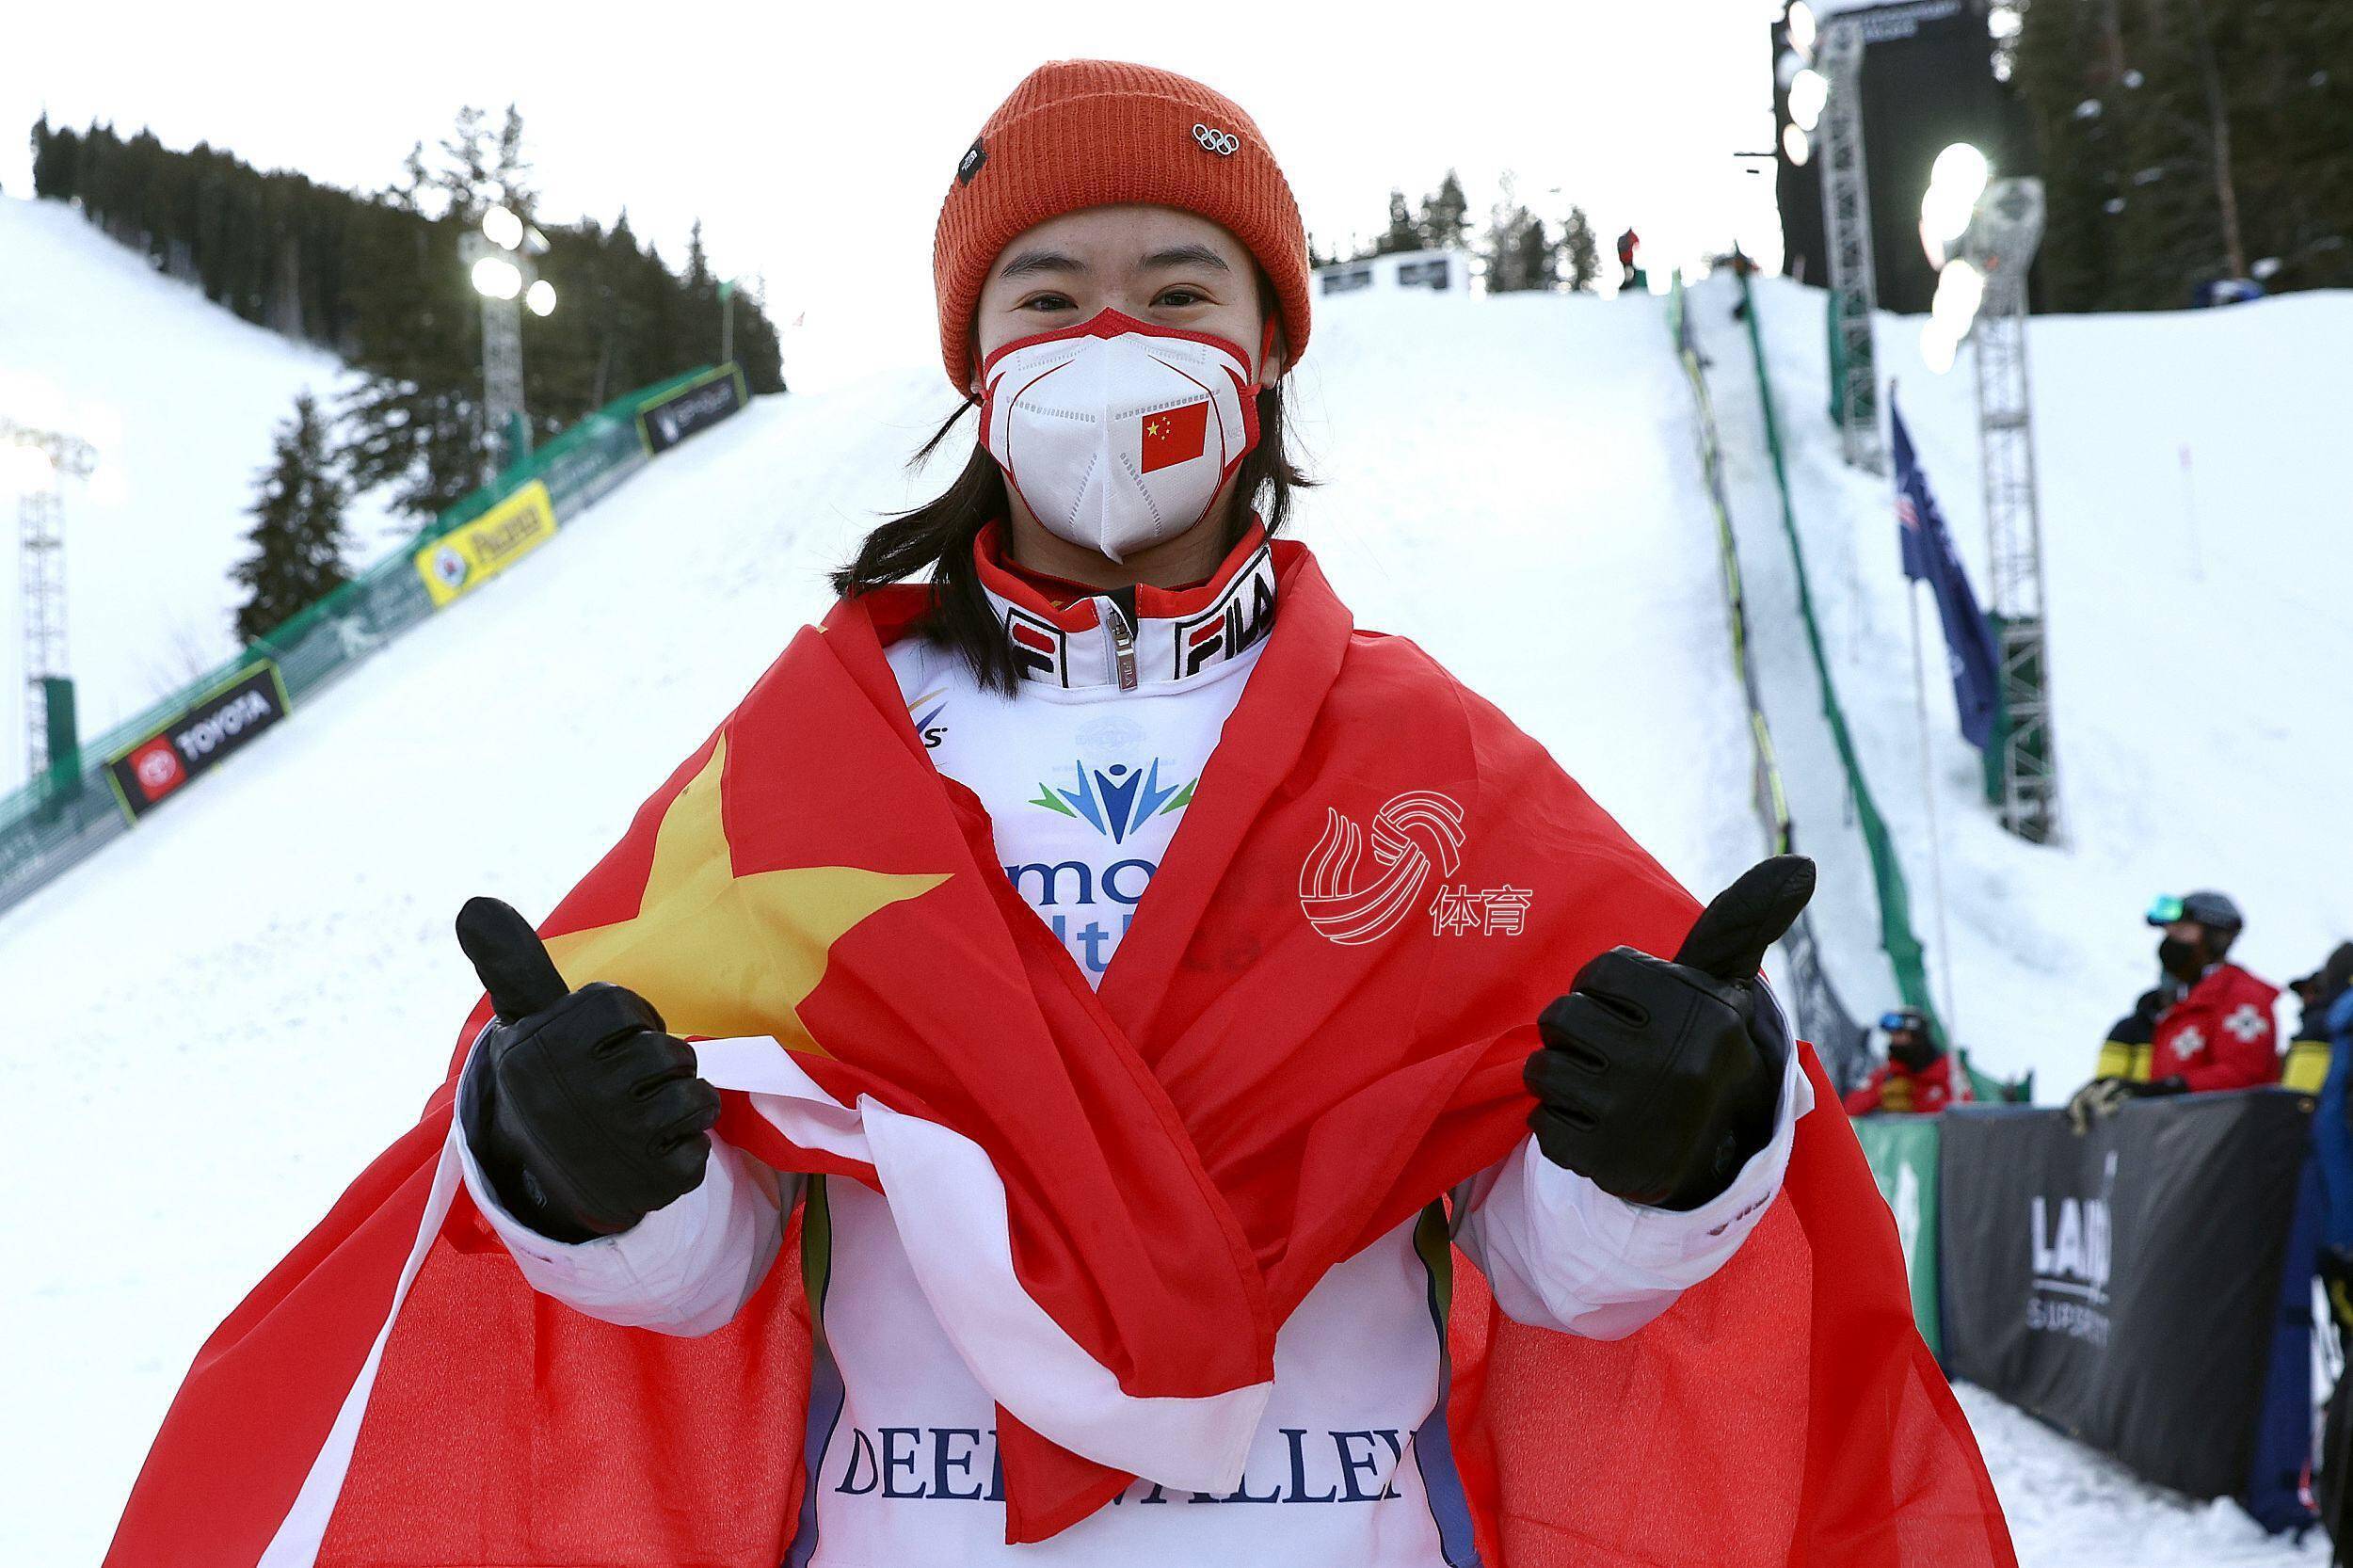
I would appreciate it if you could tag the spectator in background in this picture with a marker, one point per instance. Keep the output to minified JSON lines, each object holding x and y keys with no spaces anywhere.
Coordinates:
{"x":2327,"y":998}
{"x":1918,"y":1074}
{"x":2207,"y":1025}
{"x":2316,"y":994}
{"x":1627,"y":244}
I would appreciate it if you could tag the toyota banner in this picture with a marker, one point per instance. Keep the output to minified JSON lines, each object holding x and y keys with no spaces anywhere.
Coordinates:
{"x":153,"y":769}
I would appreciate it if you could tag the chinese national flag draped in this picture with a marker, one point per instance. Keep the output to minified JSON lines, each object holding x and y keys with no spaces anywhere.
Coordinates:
{"x":1176,"y":436}
{"x":1154,"y":1175}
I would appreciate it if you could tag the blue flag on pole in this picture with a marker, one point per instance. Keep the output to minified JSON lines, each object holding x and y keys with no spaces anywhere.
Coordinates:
{"x":1928,"y":557}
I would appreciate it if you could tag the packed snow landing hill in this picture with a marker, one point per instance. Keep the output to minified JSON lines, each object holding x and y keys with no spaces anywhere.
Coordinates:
{"x":2196,"y":561}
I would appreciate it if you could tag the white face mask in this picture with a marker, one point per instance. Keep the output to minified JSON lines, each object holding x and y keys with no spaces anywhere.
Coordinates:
{"x":1118,"y":434}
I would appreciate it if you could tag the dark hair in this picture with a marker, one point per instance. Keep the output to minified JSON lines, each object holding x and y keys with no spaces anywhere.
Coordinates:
{"x":936,"y":540}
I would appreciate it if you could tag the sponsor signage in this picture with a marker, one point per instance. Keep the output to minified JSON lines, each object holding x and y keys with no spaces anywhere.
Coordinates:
{"x":1902,"y":1151}
{"x":2123,"y":1285}
{"x":150,"y":771}
{"x":470,"y":555}
{"x":696,"y":405}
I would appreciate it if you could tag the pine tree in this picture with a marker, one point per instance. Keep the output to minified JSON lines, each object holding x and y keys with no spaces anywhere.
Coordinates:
{"x":1520,"y":256}
{"x":1446,"y":216}
{"x":378,"y":278}
{"x":298,"y":533}
{"x":510,"y":171}
{"x":1582,"y":249}
{"x":1403,"y":235}
{"x":1537,"y":256}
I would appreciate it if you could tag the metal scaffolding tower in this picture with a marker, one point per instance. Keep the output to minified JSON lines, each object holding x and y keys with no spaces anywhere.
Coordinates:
{"x":502,"y":418}
{"x":2000,"y":243}
{"x":1847,"y":224}
{"x":503,"y":373}
{"x":41,"y":575}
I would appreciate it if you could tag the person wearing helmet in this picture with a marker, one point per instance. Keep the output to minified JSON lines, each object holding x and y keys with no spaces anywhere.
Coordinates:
{"x":2208,"y":1024}
{"x":1917,"y":1077}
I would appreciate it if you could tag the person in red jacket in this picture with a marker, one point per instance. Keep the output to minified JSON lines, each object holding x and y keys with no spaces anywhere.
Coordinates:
{"x":2222,"y":1033}
{"x":2211,"y":1023}
{"x":1918,"y":1076}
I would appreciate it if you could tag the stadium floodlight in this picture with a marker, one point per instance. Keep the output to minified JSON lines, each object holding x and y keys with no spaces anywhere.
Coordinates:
{"x":25,"y":470}
{"x":502,"y":228}
{"x":540,"y":296}
{"x":1960,"y":290}
{"x":496,"y":277}
{"x":1803,"y":31}
{"x":1794,"y":146}
{"x":1964,"y":167}
{"x":1809,"y":90}
{"x":534,"y":242}
{"x":1938,"y":348}
{"x":1957,"y":182}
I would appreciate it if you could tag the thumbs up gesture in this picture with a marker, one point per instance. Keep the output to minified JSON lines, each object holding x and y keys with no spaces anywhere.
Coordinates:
{"x":583,"y":1114}
{"x":1651,"y":1081}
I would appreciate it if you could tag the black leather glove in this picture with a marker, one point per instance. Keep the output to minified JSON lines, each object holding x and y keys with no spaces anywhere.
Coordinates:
{"x":585,"y":1115}
{"x":2106,"y":1096}
{"x":1654,"y":1080}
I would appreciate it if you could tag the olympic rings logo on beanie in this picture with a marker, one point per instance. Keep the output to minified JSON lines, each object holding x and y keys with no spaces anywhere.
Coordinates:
{"x":1077,"y":133}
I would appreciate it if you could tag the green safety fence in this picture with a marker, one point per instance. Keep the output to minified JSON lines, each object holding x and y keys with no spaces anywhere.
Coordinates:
{"x":1903,"y":1152}
{"x":53,"y":821}
{"x":1904,"y":952}
{"x":1821,"y":1016}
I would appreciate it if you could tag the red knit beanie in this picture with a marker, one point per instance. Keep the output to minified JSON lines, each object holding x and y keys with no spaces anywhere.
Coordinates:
{"x":1095,"y":133}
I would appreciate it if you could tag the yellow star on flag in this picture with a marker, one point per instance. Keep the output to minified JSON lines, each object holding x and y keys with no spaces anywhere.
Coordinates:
{"x":724,"y":955}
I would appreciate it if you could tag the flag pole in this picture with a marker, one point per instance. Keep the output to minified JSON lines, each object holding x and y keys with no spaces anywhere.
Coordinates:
{"x":1928,"y":803}
{"x":1928,"y":779}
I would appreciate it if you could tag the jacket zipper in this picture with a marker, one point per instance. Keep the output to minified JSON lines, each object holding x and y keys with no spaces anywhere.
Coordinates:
{"x":1123,"y":644}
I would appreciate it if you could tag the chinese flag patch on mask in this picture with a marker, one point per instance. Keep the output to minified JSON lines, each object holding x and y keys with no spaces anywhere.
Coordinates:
{"x":1177,"y":436}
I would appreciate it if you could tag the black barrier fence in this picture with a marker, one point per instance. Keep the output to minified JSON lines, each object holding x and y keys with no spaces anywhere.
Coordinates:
{"x":2141,"y":1286}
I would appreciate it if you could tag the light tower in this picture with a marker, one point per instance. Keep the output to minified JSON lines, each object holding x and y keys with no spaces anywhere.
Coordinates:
{"x":500,"y":259}
{"x":1847,"y":225}
{"x":2001,"y":243}
{"x":39,"y":458}
{"x":1982,"y":234}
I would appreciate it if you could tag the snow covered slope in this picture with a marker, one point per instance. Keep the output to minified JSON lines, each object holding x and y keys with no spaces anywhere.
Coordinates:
{"x":229,"y":1011}
{"x":2202,"y":654}
{"x":180,"y":397}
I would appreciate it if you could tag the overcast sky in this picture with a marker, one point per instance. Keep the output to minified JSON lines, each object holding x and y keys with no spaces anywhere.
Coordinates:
{"x":815,"y":142}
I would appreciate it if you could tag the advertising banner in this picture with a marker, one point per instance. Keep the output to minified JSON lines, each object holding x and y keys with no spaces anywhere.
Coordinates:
{"x":696,"y":405}
{"x":152,"y":769}
{"x":1902,"y":1151}
{"x":587,"y":460}
{"x":2123,"y":1285}
{"x":470,"y":555}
